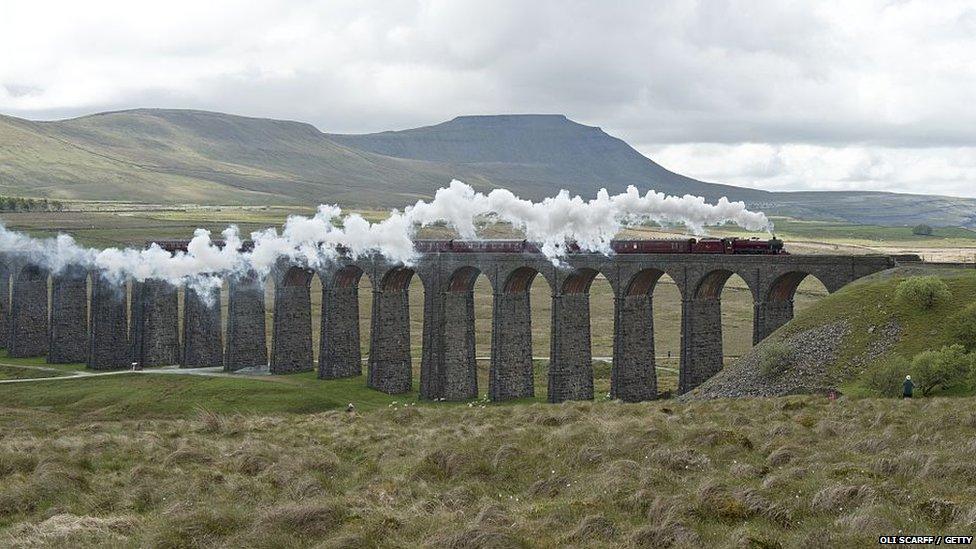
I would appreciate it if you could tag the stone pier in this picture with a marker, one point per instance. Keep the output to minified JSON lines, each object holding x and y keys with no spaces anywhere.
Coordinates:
{"x":632,"y":375}
{"x":291,"y":339}
{"x":155,"y":331}
{"x":68,"y":342}
{"x":510,"y":375}
{"x":769,"y":316}
{"x":701,"y":341}
{"x":460,"y":369}
{"x":28,"y":333}
{"x":571,"y":359}
{"x":247,"y":344}
{"x":4,"y":301}
{"x":390,"y":369}
{"x":108,"y":337}
{"x":202,"y":345}
{"x":339,"y":351}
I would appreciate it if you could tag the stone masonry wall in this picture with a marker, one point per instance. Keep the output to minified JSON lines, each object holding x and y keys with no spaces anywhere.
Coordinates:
{"x":247,"y":344}
{"x":68,"y":342}
{"x":769,"y":316}
{"x":390,"y":369}
{"x":108,"y":338}
{"x":701,"y":341}
{"x":632,"y":375}
{"x":339,"y":352}
{"x":459,"y":366}
{"x":510,"y":375}
{"x":28,"y":334}
{"x":291,"y":343}
{"x":155,"y":331}
{"x":4,"y":303}
{"x":571,"y":364}
{"x":202,"y":346}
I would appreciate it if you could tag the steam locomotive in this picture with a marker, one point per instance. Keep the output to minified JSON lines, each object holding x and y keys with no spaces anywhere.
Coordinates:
{"x":739,"y":246}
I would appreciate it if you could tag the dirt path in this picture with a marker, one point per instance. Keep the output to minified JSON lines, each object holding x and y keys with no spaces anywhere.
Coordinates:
{"x":215,"y":371}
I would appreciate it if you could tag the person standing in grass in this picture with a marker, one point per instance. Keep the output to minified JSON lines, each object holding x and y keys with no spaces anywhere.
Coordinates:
{"x":907,"y":387}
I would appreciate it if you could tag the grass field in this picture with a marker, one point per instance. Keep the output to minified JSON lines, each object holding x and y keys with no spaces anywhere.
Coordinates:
{"x":170,"y":460}
{"x":793,"y":472}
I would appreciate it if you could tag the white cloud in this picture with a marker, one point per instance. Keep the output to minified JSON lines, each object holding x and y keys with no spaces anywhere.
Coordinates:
{"x":784,"y":167}
{"x":893,"y":81}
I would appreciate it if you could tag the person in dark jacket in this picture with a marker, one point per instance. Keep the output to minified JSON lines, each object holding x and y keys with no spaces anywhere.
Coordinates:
{"x":907,"y":387}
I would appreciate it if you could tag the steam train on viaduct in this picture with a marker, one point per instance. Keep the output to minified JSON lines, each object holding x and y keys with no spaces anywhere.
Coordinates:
{"x":736,"y":246}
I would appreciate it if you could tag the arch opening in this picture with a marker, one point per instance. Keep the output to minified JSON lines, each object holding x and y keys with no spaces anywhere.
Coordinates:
{"x":787,"y":286}
{"x":644,"y":282}
{"x":296,"y":276}
{"x":599,"y":295}
{"x":463,"y":279}
{"x":738,"y":311}
{"x":347,"y":277}
{"x":789,"y":293}
{"x":712,"y":284}
{"x":397,"y":279}
{"x":520,"y":280}
{"x":580,"y":281}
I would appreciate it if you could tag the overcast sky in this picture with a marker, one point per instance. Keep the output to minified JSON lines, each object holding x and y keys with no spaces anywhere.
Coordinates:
{"x":774,"y":95}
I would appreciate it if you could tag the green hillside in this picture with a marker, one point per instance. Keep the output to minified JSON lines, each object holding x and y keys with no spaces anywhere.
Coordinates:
{"x":165,"y":156}
{"x":158,"y":156}
{"x":840,"y":341}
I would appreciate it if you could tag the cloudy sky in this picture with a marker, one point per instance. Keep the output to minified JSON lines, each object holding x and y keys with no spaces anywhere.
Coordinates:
{"x":775,"y":95}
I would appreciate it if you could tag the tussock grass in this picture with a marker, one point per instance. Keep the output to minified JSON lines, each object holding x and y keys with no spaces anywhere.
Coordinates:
{"x":796,"y":471}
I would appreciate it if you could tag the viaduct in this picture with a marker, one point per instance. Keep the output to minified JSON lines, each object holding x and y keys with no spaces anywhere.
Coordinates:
{"x":78,"y":316}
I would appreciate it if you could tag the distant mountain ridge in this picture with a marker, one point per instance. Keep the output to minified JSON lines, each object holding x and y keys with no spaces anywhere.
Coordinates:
{"x":540,"y":151}
{"x":189,"y":156}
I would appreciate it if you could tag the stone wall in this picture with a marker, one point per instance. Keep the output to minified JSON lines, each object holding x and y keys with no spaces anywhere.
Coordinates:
{"x":68,"y":341}
{"x":571,"y":363}
{"x":769,"y":316}
{"x":632,"y":374}
{"x":701,"y":342}
{"x":155,"y":331}
{"x":510,"y":375}
{"x":390,"y":369}
{"x":291,"y":339}
{"x":202,"y":345}
{"x":339,"y":346}
{"x":28,"y":335}
{"x":108,"y":338}
{"x":247,"y":344}
{"x":4,"y":302}
{"x":448,"y":355}
{"x":460,"y":370}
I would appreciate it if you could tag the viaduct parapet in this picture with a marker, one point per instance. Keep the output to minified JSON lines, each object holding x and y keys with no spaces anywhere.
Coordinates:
{"x":110,"y":325}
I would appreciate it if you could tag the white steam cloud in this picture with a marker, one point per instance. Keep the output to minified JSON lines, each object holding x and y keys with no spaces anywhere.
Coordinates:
{"x":314,"y":241}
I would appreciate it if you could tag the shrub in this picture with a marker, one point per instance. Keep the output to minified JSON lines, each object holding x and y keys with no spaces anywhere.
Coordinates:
{"x":942,"y":368}
{"x":923,"y":292}
{"x":922,"y":230}
{"x":887,"y":375}
{"x":962,"y":327}
{"x":775,"y":357}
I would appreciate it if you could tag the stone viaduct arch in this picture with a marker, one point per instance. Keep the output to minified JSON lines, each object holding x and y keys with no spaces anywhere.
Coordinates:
{"x":97,"y":329}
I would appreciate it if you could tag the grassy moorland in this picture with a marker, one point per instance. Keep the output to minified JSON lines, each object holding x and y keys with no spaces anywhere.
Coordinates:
{"x":799,"y":471}
{"x":167,"y":460}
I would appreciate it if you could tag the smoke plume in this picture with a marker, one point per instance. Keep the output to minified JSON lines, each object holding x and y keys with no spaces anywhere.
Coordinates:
{"x":315,"y":241}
